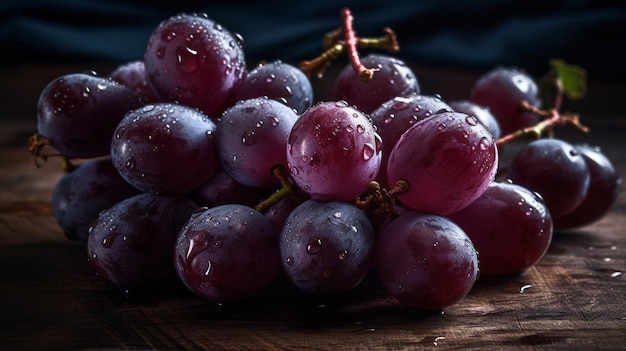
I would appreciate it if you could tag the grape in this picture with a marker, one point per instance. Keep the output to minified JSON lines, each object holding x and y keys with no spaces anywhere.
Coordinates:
{"x":425,"y":261}
{"x":510,"y":227}
{"x":604,"y":188}
{"x":392,"y":78}
{"x":133,"y":76}
{"x":333,"y":152}
{"x":227,"y":252}
{"x":165,"y":148}
{"x":279,"y":81}
{"x":278,"y":213}
{"x":251,"y":138}
{"x":195,"y":61}
{"x":132,"y":243}
{"x":222,"y":189}
{"x":483,"y":114}
{"x":448,"y":160}
{"x":326,"y":247}
{"x":79,"y":196}
{"x":78,"y":113}
{"x":395,"y":116}
{"x":554,"y":169}
{"x":501,"y":90}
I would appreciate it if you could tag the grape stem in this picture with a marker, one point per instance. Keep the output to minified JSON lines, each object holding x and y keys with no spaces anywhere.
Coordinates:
{"x":335,"y":47}
{"x":287,"y":189}
{"x":37,"y":144}
{"x":381,"y":200}
{"x":551,"y":119}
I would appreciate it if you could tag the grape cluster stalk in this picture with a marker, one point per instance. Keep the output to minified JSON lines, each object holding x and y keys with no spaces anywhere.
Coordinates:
{"x":186,"y":167}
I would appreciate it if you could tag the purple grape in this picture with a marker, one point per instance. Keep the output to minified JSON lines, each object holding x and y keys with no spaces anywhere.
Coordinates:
{"x":226,"y":253}
{"x":251,"y":139}
{"x":425,"y":261}
{"x":165,"y":148}
{"x":604,"y":187}
{"x":278,"y":213}
{"x":132,"y":243}
{"x":327,"y":248}
{"x":333,"y":152}
{"x":510,"y":227}
{"x":501,"y":90}
{"x":397,"y":115}
{"x":483,"y":114}
{"x":448,"y":160}
{"x":78,"y":113}
{"x":133,"y":76}
{"x":556,"y":170}
{"x":279,"y":81}
{"x":195,"y":61}
{"x":222,"y":189}
{"x":79,"y":196}
{"x":392,"y":78}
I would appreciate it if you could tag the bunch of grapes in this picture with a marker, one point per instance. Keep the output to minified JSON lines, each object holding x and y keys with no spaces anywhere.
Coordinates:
{"x":187,"y":166}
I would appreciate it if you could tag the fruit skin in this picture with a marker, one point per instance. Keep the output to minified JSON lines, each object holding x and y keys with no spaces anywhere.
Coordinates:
{"x":426,"y":261}
{"x":448,"y":160}
{"x":510,"y":227}
{"x":78,"y":113}
{"x":195,"y":61}
{"x":554,"y":169}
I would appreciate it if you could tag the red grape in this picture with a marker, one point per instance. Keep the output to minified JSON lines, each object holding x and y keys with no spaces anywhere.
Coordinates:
{"x":195,"y":61}
{"x":333,"y":151}
{"x":483,"y":114}
{"x":133,"y":75}
{"x":448,"y":160}
{"x":425,"y":261}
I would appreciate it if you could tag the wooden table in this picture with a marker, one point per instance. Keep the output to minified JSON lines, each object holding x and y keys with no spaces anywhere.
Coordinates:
{"x":574,"y":299}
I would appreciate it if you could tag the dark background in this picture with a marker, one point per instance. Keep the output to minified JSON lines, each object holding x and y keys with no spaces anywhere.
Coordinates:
{"x":461,"y":35}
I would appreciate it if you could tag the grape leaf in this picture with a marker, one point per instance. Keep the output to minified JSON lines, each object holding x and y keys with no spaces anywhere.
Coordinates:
{"x":573,"y":78}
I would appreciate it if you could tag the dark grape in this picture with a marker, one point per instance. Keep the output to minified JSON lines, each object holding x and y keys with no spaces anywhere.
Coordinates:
{"x":79,"y":196}
{"x":397,"y":115}
{"x":132,"y":243}
{"x":78,"y":113}
{"x":195,"y":61}
{"x":133,"y":76}
{"x":556,"y":170}
{"x":510,"y":227}
{"x":251,"y":139}
{"x":227,"y":252}
{"x":333,"y":151}
{"x":279,"y":81}
{"x":165,"y":148}
{"x":483,"y":114}
{"x":604,"y":188}
{"x":326,"y":247}
{"x":278,"y":213}
{"x":426,"y":261}
{"x":392,"y":78}
{"x":448,"y":160}
{"x":222,"y":189}
{"x":501,"y":90}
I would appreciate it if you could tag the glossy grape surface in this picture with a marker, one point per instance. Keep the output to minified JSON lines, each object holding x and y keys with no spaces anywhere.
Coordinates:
{"x":333,"y":151}
{"x":165,"y":148}
{"x":397,"y":115}
{"x":326,"y":247}
{"x":483,"y":114}
{"x":227,"y":252}
{"x":510,"y":227}
{"x":425,"y":261}
{"x":554,"y":169}
{"x":448,"y":160}
{"x":222,"y":189}
{"x":501,"y":90}
{"x":78,"y":113}
{"x":195,"y":61}
{"x":605,"y":184}
{"x":132,"y":243}
{"x":251,"y":139}
{"x":133,"y":76}
{"x":392,"y":78}
{"x":79,"y":196}
{"x":279,"y":81}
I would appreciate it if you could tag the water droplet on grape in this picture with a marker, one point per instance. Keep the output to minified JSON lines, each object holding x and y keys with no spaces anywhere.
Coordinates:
{"x":314,"y":245}
{"x":471,"y":120}
{"x":350,"y":129}
{"x":484,"y":143}
{"x":368,"y":151}
{"x":442,"y":126}
{"x":187,"y":60}
{"x":247,"y":138}
{"x":130,"y":164}
{"x":337,"y":214}
{"x":343,"y":254}
{"x":208,"y":268}
{"x":107,"y":242}
{"x":289,"y":261}
{"x":360,"y":129}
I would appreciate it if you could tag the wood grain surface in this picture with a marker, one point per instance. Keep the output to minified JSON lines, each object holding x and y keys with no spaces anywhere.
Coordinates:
{"x":50,"y":299}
